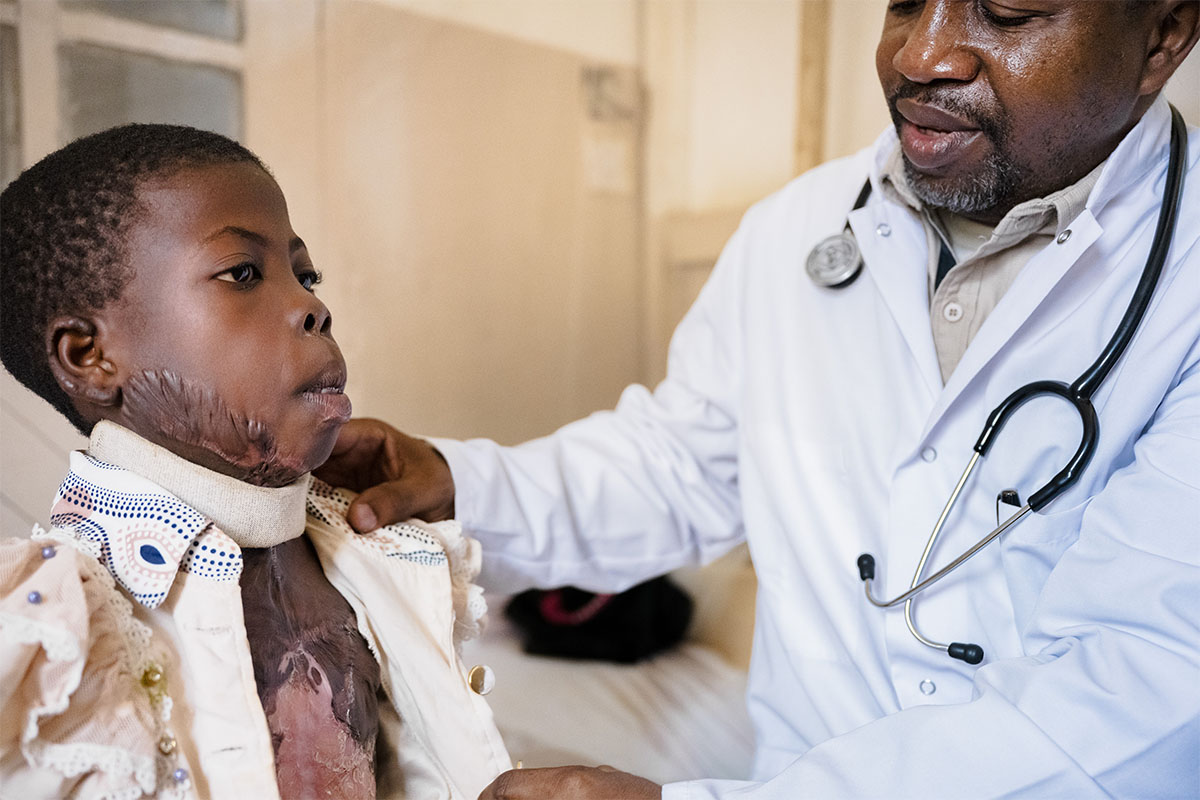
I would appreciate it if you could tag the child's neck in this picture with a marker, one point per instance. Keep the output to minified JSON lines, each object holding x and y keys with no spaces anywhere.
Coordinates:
{"x":193,"y":422}
{"x":254,"y":516}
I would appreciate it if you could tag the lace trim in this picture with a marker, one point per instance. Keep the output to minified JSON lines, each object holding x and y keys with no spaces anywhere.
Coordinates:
{"x":58,"y":644}
{"x":463,"y":552}
{"x":150,"y":774}
{"x":77,"y":758}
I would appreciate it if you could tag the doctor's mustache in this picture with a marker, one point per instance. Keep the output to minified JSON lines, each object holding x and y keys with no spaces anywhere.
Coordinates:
{"x":988,"y":117}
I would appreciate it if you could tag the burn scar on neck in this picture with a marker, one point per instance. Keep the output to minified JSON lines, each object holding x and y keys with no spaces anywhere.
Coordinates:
{"x":191,"y":420}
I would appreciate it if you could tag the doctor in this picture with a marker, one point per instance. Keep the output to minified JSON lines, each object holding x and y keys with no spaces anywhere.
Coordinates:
{"x":1008,"y":218}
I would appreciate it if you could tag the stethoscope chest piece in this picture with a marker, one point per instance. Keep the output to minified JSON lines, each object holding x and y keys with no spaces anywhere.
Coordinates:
{"x":835,"y":261}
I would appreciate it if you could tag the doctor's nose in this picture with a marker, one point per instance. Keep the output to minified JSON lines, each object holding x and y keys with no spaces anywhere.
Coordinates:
{"x":936,"y":47}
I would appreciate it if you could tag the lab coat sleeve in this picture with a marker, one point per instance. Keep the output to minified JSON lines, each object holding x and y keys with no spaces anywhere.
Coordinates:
{"x":623,"y":495}
{"x":1107,"y":703}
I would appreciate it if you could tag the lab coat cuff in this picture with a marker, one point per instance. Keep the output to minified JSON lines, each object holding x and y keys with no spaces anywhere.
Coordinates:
{"x":677,"y":791}
{"x":462,"y":471}
{"x":713,"y":790}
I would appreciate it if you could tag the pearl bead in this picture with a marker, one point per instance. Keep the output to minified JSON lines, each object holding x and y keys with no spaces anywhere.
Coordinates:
{"x":152,"y":676}
{"x":48,"y":552}
{"x":34,"y":597}
{"x":180,"y":775}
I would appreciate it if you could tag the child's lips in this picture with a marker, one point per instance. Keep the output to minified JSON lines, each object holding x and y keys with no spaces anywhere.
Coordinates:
{"x":332,"y":402}
{"x":327,"y":392}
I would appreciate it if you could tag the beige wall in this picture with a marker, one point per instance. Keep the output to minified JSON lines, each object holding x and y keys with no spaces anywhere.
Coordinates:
{"x":501,"y":296}
{"x":602,"y":30}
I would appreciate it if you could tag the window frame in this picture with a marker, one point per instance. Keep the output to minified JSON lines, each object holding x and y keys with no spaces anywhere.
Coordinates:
{"x":43,"y":27}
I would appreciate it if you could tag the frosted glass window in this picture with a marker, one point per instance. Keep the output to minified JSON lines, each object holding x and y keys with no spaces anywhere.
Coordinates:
{"x":102,"y":87}
{"x":220,"y":18}
{"x":10,"y":106}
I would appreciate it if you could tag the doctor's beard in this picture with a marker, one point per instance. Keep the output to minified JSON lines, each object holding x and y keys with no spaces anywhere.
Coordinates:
{"x":994,"y":184}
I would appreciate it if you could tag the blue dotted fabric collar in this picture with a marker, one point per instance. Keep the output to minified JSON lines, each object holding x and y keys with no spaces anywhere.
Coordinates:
{"x":144,"y":535}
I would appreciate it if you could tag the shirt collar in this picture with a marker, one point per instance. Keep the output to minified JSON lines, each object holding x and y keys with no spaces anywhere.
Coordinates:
{"x":253,"y":516}
{"x":1050,"y":214}
{"x":187,"y":519}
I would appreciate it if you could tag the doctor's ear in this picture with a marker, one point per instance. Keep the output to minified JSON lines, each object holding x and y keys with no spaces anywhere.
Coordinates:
{"x":78,"y":363}
{"x":1173,"y":35}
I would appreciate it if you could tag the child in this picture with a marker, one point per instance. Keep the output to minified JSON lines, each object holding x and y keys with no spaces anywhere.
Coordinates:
{"x":201,"y":620}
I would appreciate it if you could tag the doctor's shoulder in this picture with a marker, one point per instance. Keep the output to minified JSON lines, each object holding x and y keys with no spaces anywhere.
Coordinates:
{"x":817,"y":200}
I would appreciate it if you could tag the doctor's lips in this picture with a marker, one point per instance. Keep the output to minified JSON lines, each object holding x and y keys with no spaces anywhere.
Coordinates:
{"x":328,"y":393}
{"x":931,"y":137}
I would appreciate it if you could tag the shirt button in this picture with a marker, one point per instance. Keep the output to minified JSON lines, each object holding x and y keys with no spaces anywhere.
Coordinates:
{"x":481,"y":679}
{"x":884,"y":229}
{"x":929,"y":454}
{"x":928,"y":687}
{"x":952,"y":312}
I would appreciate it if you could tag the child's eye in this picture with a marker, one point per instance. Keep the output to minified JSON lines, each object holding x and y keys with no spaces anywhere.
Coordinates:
{"x":309,"y":278}
{"x":242,"y":273}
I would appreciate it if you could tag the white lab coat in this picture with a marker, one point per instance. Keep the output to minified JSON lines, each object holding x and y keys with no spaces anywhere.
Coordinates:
{"x":814,"y":422}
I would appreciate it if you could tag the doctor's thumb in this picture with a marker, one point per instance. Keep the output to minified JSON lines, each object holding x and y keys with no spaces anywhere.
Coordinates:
{"x":396,"y":501}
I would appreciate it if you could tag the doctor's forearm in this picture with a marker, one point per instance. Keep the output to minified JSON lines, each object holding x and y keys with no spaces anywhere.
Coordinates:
{"x":586,"y":507}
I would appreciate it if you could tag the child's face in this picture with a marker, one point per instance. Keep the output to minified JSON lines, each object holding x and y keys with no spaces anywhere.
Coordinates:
{"x":224,"y":354}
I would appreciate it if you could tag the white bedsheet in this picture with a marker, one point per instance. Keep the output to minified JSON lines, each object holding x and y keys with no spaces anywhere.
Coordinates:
{"x":680,"y":715}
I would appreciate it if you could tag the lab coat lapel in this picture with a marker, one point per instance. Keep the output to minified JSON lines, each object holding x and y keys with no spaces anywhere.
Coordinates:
{"x":1031,"y":287}
{"x":893,"y":245}
{"x":1140,"y":153}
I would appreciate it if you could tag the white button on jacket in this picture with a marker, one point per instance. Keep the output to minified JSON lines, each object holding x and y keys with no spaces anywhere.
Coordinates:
{"x":795,"y":416}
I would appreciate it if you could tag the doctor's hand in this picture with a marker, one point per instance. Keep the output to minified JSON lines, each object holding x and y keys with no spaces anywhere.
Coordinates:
{"x":571,"y":783}
{"x":399,"y":477}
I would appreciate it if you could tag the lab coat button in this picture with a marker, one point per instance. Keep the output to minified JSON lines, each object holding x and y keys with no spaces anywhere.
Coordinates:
{"x":1062,"y":237}
{"x":884,"y":229}
{"x":928,"y":687}
{"x":481,"y":679}
{"x":929,"y":454}
{"x":952,"y":312}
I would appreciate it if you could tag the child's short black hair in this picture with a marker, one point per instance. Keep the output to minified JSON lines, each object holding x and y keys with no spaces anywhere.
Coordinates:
{"x":63,"y":224}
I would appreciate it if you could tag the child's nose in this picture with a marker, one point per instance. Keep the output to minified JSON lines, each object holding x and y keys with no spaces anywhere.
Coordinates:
{"x":316,"y":318}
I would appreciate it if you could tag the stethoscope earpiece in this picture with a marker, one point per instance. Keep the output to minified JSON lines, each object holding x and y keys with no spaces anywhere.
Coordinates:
{"x":970,"y":653}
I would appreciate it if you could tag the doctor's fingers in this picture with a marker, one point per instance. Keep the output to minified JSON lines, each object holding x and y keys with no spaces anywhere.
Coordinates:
{"x":571,"y":783}
{"x":399,"y":476}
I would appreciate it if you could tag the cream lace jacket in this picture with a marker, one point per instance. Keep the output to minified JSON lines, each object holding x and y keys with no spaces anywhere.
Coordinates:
{"x":124,"y":665}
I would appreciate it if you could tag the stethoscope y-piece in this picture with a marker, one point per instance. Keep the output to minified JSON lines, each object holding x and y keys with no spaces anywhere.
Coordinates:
{"x":1078,"y":394}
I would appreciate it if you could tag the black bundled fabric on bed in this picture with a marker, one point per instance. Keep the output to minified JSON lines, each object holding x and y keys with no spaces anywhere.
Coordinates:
{"x":626,"y":627}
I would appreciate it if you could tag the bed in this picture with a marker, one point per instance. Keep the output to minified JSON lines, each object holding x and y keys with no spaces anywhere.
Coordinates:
{"x":678,"y":715}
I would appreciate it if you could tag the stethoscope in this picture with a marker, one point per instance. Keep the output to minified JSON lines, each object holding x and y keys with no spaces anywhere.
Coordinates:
{"x":836,"y":262}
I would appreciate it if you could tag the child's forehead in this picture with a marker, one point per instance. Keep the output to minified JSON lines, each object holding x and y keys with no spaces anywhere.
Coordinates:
{"x":212,"y":196}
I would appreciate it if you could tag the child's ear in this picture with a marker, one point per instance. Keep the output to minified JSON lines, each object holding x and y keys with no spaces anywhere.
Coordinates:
{"x":78,"y":363}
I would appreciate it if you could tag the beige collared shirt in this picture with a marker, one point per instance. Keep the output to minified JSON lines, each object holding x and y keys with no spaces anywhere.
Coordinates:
{"x":987,"y":259}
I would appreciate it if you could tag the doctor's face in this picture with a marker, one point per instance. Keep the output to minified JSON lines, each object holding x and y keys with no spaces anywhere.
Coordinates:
{"x":999,"y":102}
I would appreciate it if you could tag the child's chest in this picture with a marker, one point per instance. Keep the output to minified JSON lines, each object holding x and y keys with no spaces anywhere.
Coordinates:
{"x":316,"y":678}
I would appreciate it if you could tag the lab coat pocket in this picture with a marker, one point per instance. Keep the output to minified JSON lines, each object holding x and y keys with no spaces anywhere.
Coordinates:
{"x":1050,"y":526}
{"x":1034,"y":546}
{"x":802,"y":520}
